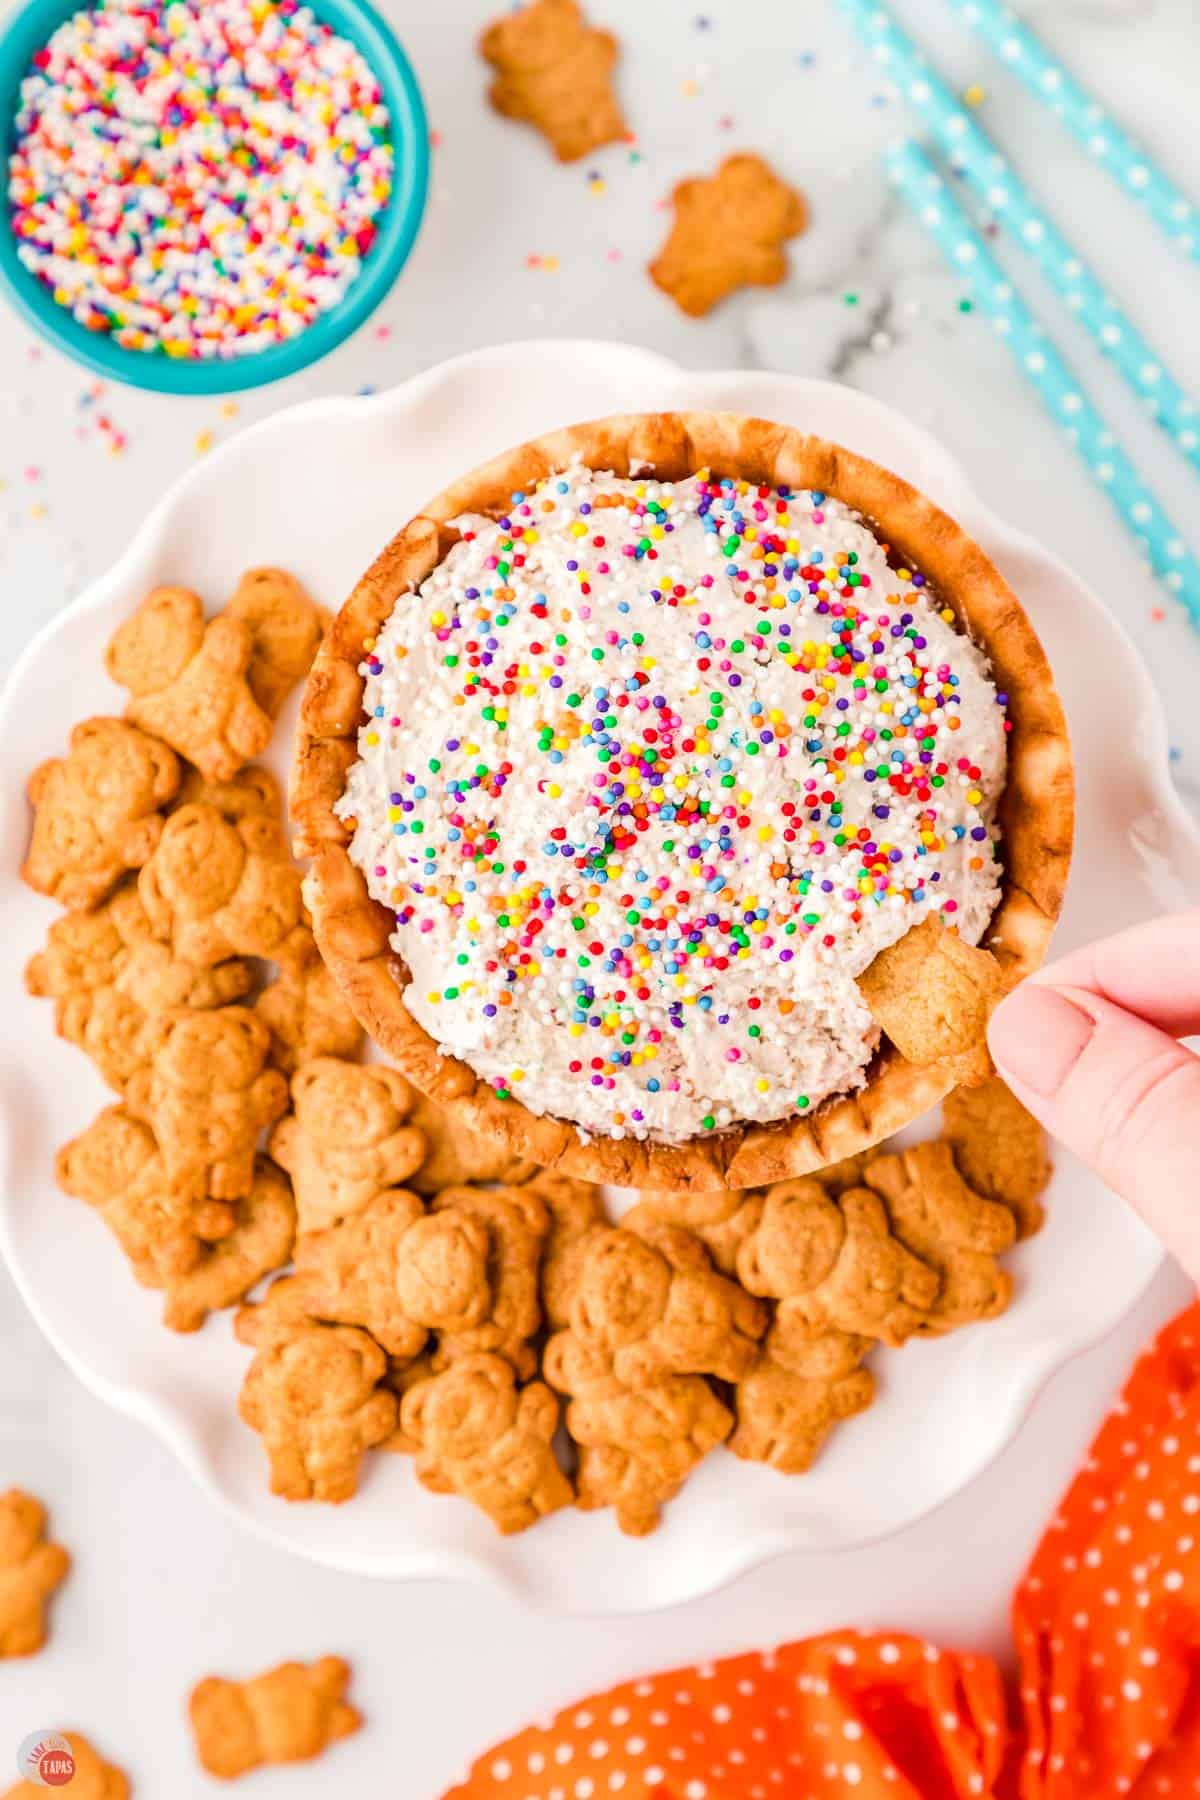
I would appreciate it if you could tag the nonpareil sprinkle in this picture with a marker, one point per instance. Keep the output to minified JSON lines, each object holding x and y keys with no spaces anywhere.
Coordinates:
{"x":200,"y":178}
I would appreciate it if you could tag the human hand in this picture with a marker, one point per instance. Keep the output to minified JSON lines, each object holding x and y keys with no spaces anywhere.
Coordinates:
{"x":1089,"y":1044}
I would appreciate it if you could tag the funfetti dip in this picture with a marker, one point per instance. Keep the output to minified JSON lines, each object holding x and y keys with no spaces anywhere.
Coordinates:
{"x":651,"y":771}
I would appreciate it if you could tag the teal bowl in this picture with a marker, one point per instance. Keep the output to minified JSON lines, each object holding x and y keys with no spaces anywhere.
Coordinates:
{"x":357,"y":20}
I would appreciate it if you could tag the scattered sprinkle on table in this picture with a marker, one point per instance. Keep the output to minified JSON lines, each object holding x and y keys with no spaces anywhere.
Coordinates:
{"x":198,"y":177}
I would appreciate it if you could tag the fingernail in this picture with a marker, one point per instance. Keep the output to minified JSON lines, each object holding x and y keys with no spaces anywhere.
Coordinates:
{"x":1037,"y":1036}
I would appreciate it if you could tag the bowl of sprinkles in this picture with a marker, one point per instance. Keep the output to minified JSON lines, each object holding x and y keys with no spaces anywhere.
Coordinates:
{"x":206,"y":195}
{"x":646,"y":763}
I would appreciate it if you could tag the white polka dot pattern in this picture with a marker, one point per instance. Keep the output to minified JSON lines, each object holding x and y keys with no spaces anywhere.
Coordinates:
{"x":1099,"y":135}
{"x":973,"y":155}
{"x":1052,"y":379}
{"x":1106,"y":1623}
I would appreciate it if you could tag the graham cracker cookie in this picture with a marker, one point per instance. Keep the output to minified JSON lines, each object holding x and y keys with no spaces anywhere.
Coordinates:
{"x":285,"y":625}
{"x":785,"y":1409}
{"x":96,"y":811}
{"x":729,"y":231}
{"x":1000,"y":1149}
{"x":187,"y":681}
{"x":954,"y":1230}
{"x":31,"y":1568}
{"x":475,"y":1433}
{"x":554,"y":71}
{"x":290,"y":1714}
{"x":347,"y":1139}
{"x":207,"y":1094}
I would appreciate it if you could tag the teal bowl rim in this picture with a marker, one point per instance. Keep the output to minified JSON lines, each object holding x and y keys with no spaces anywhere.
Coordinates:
{"x":357,"y":20}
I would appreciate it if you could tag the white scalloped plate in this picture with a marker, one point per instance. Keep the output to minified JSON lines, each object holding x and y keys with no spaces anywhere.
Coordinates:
{"x":321,"y":487}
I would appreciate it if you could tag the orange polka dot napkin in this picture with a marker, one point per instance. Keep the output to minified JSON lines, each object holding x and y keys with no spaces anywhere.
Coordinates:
{"x":1107,"y":1628}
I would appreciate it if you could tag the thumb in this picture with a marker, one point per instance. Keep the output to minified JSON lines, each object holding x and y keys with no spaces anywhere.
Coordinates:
{"x":1122,"y":1095}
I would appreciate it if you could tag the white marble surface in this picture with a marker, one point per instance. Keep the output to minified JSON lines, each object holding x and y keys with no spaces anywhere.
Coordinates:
{"x":165,"y":1589}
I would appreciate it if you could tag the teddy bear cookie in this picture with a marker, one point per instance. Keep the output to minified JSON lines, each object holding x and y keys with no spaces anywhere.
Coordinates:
{"x":217,"y":887}
{"x":932,"y":995}
{"x":576,"y":1215}
{"x":392,"y":1270}
{"x":729,"y":231}
{"x":835,"y":1262}
{"x":31,"y":1569}
{"x":516,"y":1223}
{"x":787,"y":1405}
{"x":208,"y":1094}
{"x":348,"y":1138}
{"x":554,"y":71}
{"x":950,"y":1228}
{"x":654,"y":1306}
{"x":187,"y":681}
{"x":475,"y":1433}
{"x":720,"y":1219}
{"x":313,"y":1394}
{"x":286,"y":627}
{"x":163,"y":1222}
{"x":999,"y":1150}
{"x":635,"y":1448}
{"x":289,"y":1714}
{"x":305,"y":1011}
{"x":459,"y":1149}
{"x":113,"y":983}
{"x":96,"y":811}
{"x":258,"y":1242}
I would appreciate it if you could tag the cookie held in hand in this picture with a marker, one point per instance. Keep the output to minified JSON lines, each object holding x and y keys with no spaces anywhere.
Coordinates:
{"x":30,"y":1570}
{"x":475,"y":1433}
{"x":952,"y":1229}
{"x":187,"y":681}
{"x":835,"y":1262}
{"x":163,"y":1222}
{"x":96,"y":811}
{"x":208,"y":1094}
{"x":348,"y":1138}
{"x":933,"y":995}
{"x":729,"y":232}
{"x":216,"y":888}
{"x":554,"y":71}
{"x":286,"y":627}
{"x":290,"y":1714}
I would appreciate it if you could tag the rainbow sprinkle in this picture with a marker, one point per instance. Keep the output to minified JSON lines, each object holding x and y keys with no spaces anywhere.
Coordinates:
{"x":649,"y":773}
{"x":198,"y":177}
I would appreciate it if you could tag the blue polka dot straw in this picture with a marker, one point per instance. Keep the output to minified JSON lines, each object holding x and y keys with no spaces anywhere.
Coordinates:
{"x":973,"y":155}
{"x":1127,"y":162}
{"x":965,"y":249}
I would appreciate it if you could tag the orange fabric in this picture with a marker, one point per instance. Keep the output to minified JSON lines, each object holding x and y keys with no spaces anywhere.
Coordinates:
{"x":1107,"y":1629}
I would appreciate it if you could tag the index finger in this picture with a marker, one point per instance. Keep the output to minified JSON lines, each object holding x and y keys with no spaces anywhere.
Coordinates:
{"x":1152,"y":970}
